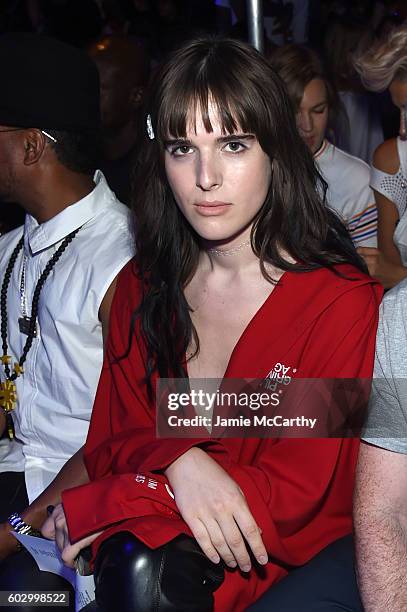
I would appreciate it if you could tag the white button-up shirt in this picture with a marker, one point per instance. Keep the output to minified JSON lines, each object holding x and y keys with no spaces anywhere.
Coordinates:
{"x":57,"y":389}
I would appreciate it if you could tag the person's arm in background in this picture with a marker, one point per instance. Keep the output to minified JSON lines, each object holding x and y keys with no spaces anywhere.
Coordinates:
{"x":361,"y":210}
{"x":72,"y":474}
{"x":380,"y":511}
{"x":384,"y":263}
{"x":380,"y":500}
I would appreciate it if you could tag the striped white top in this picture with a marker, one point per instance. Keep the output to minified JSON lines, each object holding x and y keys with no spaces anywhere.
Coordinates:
{"x":349,"y":193}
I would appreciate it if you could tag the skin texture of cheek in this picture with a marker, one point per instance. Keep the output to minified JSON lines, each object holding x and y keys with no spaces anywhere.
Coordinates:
{"x":8,"y":180}
{"x":244,"y":187}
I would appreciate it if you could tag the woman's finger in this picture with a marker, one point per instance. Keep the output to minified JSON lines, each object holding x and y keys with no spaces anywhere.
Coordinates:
{"x":69,"y":554}
{"x":60,"y":539}
{"x":201,"y":535}
{"x":220,"y":543}
{"x":251,"y":533}
{"x":235,"y":542}
{"x":61,"y":529}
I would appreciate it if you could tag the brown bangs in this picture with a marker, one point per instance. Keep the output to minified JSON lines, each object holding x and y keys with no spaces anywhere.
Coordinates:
{"x":298,"y":65}
{"x":188,"y":93}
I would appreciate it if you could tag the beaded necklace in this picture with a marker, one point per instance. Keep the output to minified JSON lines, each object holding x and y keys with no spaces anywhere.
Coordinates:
{"x":8,"y":389}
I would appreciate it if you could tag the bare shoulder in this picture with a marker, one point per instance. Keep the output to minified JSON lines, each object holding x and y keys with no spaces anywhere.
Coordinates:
{"x":386,"y":157}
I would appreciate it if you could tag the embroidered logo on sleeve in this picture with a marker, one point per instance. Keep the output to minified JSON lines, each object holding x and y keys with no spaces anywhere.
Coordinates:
{"x":150,"y":483}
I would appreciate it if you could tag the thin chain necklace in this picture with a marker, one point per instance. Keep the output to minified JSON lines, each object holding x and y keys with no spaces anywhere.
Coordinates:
{"x":232,"y":251}
{"x":8,"y":389}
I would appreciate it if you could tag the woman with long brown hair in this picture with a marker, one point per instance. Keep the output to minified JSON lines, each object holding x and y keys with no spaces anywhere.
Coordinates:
{"x":317,"y":106}
{"x":240,"y":272}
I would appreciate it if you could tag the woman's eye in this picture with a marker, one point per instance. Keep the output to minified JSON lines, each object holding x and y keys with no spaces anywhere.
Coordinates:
{"x":181,"y":150}
{"x":235,"y":147}
{"x":320,"y":110}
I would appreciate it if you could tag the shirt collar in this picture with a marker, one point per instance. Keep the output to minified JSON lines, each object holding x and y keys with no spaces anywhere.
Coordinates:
{"x":38,"y":237}
{"x":321,"y":149}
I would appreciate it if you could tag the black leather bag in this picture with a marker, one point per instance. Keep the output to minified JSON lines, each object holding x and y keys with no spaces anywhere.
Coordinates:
{"x":131,"y":577}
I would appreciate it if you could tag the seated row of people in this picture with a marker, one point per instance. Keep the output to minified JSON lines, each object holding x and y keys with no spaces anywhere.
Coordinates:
{"x":379,"y":233}
{"x":237,"y":268}
{"x":315,"y":100}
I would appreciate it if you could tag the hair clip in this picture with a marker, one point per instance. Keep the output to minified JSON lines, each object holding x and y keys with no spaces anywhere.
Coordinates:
{"x":150,"y":130}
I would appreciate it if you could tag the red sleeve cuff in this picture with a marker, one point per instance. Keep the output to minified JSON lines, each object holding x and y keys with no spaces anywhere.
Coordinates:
{"x":99,"y":504}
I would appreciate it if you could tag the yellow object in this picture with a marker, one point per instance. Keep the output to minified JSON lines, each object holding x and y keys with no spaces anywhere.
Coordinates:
{"x":18,"y":369}
{"x":10,"y":426}
{"x":8,"y":395}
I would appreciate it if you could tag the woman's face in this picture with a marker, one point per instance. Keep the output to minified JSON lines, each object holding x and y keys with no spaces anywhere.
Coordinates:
{"x":312,"y":115}
{"x":219,"y":181}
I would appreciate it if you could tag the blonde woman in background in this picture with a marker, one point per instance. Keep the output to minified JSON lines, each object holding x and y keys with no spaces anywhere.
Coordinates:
{"x":385,"y":66}
{"x":359,"y":129}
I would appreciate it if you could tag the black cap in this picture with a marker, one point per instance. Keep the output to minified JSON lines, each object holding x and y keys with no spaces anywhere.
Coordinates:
{"x":46,"y":83}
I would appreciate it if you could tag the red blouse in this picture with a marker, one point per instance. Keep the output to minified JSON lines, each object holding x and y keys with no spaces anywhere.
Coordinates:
{"x":299,"y":490}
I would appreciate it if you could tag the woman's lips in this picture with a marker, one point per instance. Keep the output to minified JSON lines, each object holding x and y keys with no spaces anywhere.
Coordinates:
{"x":209,"y":209}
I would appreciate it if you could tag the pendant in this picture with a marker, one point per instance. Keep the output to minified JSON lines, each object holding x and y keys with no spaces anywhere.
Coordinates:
{"x":9,"y":426}
{"x":24,"y":325}
{"x":18,"y":369}
{"x":8,"y":395}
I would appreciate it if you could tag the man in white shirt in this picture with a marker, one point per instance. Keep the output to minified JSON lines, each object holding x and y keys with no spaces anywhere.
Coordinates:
{"x":57,"y":275}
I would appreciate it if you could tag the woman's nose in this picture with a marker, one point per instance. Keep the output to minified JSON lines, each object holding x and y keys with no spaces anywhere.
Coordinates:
{"x":304,"y":122}
{"x":208,"y":172}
